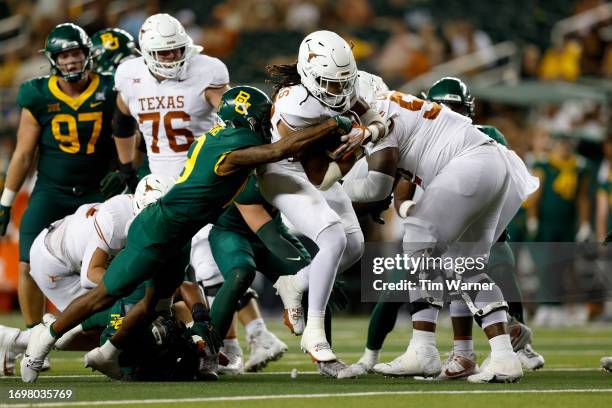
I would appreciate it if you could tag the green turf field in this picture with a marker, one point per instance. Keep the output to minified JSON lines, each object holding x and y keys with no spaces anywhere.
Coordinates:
{"x":571,"y":377}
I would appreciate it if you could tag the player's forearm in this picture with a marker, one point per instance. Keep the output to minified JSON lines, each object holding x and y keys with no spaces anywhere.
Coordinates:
{"x":18,"y":169}
{"x":300,"y":140}
{"x":191,"y":295}
{"x":126,"y":148}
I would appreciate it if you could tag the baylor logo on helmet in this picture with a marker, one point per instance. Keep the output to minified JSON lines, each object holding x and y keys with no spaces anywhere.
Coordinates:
{"x":241,"y":102}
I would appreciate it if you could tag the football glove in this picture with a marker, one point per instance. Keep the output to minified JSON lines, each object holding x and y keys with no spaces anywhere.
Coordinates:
{"x":120,"y":181}
{"x":344,"y":124}
{"x":5,"y":218}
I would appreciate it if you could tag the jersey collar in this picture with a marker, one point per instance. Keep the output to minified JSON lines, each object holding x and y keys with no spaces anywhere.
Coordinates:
{"x":74,"y":103}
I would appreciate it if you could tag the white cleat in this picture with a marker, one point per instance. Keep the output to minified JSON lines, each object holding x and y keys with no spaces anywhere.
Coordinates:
{"x":314,"y":343}
{"x":109,"y":367}
{"x":335,"y":369}
{"x":8,"y":335}
{"x":422,"y":360}
{"x":235,"y":365}
{"x":355,"y":370}
{"x":606,"y":364}
{"x":530,"y":360}
{"x":288,"y":289}
{"x":504,"y":368}
{"x":265,"y":347}
{"x":40,"y":344}
{"x":458,"y":366}
{"x":362,"y":367}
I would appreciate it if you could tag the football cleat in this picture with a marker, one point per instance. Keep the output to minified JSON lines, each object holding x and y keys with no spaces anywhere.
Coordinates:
{"x":520,"y":334}
{"x":208,"y":360}
{"x":107,"y":366}
{"x":235,"y":363}
{"x":8,"y":335}
{"x":458,"y":366}
{"x":365,"y":364}
{"x":501,"y":368}
{"x":265,"y":347}
{"x":606,"y":364}
{"x":39,"y":346}
{"x":334,"y":369}
{"x":313,"y":342}
{"x":291,"y":295}
{"x":357,"y":370}
{"x":420,"y":360}
{"x":530,"y":360}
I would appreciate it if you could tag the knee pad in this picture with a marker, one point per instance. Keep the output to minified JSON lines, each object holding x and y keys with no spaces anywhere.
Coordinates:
{"x":246,"y":298}
{"x":482,"y":302}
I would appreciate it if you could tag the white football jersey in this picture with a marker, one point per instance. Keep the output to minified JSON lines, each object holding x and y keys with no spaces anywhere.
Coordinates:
{"x":297,"y":109}
{"x":427,"y":134}
{"x":110,"y":224}
{"x":68,"y":237}
{"x":170,"y":113}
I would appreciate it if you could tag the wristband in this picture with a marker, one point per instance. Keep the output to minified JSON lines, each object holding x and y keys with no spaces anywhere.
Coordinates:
{"x":405,"y":208}
{"x":8,"y":197}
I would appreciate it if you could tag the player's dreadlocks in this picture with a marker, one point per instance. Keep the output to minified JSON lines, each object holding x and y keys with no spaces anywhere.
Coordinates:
{"x":283,"y":75}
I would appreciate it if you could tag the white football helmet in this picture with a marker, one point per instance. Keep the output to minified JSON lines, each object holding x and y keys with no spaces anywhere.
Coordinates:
{"x":370,"y":86}
{"x":150,"y":189}
{"x":162,"y":32}
{"x":327,"y":68}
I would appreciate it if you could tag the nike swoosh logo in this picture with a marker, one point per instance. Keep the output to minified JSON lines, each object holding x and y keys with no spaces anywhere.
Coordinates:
{"x":94,"y":104}
{"x":294,"y":259}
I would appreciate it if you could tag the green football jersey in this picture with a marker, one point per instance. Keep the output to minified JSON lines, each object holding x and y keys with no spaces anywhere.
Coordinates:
{"x":493,"y":133}
{"x":201,"y":192}
{"x":76,"y":142}
{"x":559,"y":188}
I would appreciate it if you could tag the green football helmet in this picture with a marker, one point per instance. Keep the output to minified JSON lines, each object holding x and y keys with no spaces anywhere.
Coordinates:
{"x":110,"y":47}
{"x":65,"y":37}
{"x":246,"y":107}
{"x":453,"y":92}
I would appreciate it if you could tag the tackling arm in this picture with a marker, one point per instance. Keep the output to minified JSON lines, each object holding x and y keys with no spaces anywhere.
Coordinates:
{"x":285,"y":147}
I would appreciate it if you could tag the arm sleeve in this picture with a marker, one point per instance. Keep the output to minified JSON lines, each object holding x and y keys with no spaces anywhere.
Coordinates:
{"x":272,"y":238}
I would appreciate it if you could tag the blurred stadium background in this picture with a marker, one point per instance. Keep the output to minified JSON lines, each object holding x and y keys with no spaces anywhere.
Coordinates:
{"x":538,"y":69}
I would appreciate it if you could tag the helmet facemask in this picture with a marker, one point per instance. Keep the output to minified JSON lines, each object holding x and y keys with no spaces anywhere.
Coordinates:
{"x":74,"y":76}
{"x":170,"y":69}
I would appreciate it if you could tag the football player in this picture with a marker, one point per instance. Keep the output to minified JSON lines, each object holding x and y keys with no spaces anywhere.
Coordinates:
{"x":320,"y":85}
{"x":453,"y":93}
{"x":111,"y":46}
{"x":441,"y":151}
{"x":66,"y":118}
{"x":217,"y":167}
{"x":172,"y":92}
{"x":70,"y":256}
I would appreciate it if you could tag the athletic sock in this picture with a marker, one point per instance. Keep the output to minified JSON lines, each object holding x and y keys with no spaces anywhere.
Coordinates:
{"x":370,"y":357}
{"x":254,"y":326}
{"x":316,"y":320}
{"x":500,"y":344}
{"x":463,"y":346}
{"x":109,"y":351}
{"x":231,"y":343}
{"x":422,"y":337}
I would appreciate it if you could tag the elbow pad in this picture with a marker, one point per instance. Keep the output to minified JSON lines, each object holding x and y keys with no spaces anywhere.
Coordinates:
{"x":123,"y":125}
{"x":375,"y":186}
